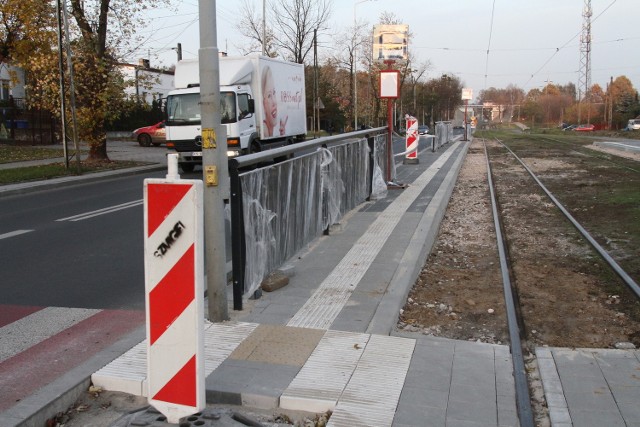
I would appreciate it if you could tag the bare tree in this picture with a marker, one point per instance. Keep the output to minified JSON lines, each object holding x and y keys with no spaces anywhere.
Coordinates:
{"x":250,"y":26}
{"x":348,"y":55}
{"x":292,"y":25}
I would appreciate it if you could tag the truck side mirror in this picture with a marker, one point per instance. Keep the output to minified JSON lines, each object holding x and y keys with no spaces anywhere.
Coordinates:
{"x":252,"y":106}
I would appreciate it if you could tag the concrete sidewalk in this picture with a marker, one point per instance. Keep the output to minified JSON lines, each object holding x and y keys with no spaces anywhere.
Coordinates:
{"x":156,"y":157}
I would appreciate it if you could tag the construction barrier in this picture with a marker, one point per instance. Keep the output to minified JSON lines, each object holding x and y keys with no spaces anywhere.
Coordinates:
{"x":174,"y":291}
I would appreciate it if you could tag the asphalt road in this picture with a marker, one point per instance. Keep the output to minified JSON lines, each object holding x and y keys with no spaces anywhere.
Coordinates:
{"x":80,"y":246}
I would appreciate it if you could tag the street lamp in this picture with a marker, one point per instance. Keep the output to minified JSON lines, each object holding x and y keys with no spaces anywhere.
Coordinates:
{"x":355,"y":64}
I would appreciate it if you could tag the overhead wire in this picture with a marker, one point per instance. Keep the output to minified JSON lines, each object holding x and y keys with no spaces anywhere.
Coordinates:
{"x":567,"y":43}
{"x":486,"y":68}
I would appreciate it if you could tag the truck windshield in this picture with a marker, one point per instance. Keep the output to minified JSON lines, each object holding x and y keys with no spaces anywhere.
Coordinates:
{"x":185,"y":108}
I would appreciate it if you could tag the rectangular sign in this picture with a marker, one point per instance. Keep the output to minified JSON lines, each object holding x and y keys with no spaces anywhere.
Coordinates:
{"x":389,"y":84}
{"x":467,"y":94}
{"x":390,"y":42}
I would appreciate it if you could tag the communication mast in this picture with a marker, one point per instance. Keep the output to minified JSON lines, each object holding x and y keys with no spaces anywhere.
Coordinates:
{"x":584,"y":82}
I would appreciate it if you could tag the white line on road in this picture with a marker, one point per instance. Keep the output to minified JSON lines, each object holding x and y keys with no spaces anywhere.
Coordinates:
{"x":14,"y":233}
{"x":102,"y":211}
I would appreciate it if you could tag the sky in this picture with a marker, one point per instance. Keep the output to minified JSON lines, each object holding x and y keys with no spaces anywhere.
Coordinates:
{"x":529,"y":42}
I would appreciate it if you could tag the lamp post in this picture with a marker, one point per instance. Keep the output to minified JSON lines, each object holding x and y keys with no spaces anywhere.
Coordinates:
{"x":355,"y":64}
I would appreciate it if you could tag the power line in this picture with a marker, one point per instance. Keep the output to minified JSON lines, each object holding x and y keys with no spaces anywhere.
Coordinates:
{"x":566,"y":44}
{"x":486,"y":68}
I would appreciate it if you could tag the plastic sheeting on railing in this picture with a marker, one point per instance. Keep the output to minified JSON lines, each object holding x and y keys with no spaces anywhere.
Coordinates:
{"x":380,"y":164}
{"x":289,"y":204}
{"x":444,"y":135}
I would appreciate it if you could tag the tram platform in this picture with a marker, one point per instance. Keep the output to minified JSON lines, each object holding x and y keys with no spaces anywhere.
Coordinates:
{"x":328,"y":340}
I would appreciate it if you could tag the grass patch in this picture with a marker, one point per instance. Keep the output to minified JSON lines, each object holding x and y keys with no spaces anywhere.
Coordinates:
{"x":57,"y":170}
{"x":16,"y":153}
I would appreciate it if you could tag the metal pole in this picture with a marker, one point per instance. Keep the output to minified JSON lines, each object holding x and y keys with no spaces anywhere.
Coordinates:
{"x":466,"y":104}
{"x":72,"y":88}
{"x":355,"y":70}
{"x":264,"y":27}
{"x":214,"y":164}
{"x":63,"y":102}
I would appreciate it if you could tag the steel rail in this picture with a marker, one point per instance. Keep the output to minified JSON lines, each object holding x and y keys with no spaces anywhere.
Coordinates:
{"x":604,"y":254}
{"x":523,"y":398}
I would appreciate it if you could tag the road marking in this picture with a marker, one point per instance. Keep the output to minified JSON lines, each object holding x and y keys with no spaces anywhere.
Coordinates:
{"x":103,"y":211}
{"x":14,"y":233}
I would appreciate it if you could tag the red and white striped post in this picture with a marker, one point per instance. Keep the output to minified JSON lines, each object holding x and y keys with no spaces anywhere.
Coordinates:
{"x":174,"y":270}
{"x":412,"y":141}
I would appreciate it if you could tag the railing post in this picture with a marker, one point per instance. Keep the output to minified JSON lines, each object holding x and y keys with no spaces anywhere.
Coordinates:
{"x":237,"y":234}
{"x":371,"y":141}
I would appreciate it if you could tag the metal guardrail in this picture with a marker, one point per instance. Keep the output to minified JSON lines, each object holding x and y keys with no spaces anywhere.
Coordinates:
{"x":278,"y":209}
{"x":444,"y":135}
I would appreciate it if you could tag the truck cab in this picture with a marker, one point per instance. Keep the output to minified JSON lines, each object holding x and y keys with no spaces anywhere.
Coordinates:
{"x":237,"y":113}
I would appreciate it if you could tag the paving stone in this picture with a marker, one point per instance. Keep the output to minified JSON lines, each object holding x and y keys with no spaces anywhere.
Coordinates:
{"x":416,"y":415}
{"x":585,"y":418}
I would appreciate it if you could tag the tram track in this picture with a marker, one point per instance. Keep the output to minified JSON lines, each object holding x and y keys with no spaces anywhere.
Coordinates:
{"x":514,"y":314}
{"x":564,"y":294}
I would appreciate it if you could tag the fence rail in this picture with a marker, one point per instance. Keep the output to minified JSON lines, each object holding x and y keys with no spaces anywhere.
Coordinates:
{"x":444,"y":135}
{"x":278,"y":209}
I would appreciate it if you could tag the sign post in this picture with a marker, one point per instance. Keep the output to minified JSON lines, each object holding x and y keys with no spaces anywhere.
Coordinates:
{"x":467,"y":94}
{"x":389,"y":89}
{"x":174,"y":294}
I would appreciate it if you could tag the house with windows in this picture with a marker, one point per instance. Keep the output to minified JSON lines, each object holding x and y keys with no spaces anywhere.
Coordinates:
{"x":147,"y":84}
{"x":11,"y":82}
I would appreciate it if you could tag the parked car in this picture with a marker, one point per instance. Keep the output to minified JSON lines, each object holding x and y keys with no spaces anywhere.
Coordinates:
{"x":423,"y":129}
{"x":585,"y":128}
{"x":569,"y":127}
{"x":634,"y":124}
{"x":154,"y":134}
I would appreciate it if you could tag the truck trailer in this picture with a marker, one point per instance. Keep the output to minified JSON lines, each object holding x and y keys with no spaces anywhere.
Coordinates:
{"x":262,"y":106}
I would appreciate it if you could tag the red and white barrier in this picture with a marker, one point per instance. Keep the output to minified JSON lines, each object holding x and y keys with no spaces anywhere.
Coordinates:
{"x":412,"y":140}
{"x":174,"y":276}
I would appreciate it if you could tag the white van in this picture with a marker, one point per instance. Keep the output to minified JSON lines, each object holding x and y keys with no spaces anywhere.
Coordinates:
{"x":634,"y":124}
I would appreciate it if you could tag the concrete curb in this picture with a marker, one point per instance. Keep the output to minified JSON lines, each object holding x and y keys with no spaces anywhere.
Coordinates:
{"x":35,"y":410}
{"x":28,"y":187}
{"x":415,"y":256}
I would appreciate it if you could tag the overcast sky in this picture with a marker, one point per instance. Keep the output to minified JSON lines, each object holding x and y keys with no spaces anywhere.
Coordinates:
{"x":529,"y":42}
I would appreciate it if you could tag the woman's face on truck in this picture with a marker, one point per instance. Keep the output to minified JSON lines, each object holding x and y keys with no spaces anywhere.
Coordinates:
{"x":269,"y":102}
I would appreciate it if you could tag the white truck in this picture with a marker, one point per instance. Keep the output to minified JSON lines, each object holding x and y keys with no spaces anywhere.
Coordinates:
{"x":262,"y":105}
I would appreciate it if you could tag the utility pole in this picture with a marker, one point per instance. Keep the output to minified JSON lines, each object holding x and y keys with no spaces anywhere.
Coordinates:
{"x":264,"y":27}
{"x":214,"y":164}
{"x":584,"y":83}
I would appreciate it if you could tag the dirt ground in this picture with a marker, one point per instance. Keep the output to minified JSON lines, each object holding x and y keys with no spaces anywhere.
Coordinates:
{"x":567,"y":295}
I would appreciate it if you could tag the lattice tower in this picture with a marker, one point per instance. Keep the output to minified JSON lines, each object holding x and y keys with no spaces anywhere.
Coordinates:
{"x":584,"y":83}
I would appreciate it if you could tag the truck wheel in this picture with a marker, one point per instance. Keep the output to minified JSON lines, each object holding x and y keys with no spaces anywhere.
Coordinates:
{"x":287,"y":157}
{"x":144,"y":140}
{"x":187,"y":167}
{"x":254,"y":147}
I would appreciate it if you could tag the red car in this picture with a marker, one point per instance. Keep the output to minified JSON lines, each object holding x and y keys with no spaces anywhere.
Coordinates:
{"x":584,"y":128}
{"x":154,"y":134}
